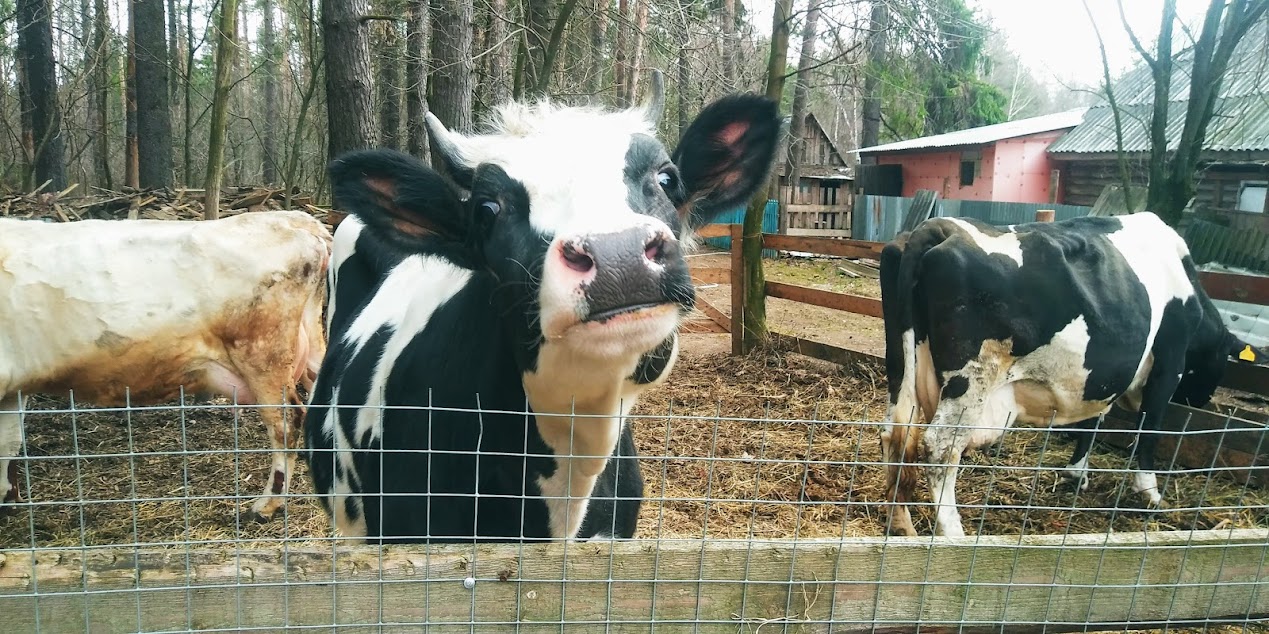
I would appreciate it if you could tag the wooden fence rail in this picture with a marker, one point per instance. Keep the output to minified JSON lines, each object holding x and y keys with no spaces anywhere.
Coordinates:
{"x":1052,"y":583}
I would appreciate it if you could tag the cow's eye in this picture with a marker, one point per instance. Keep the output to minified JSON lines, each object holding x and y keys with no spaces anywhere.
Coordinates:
{"x":668,"y":179}
{"x":491,"y":206}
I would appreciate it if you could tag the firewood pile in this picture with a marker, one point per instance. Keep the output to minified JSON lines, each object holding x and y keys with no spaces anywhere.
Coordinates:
{"x":156,"y":204}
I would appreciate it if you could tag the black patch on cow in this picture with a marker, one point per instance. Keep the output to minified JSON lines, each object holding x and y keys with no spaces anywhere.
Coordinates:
{"x":653,"y":364}
{"x":514,"y":255}
{"x":646,"y":158}
{"x":955,"y":387}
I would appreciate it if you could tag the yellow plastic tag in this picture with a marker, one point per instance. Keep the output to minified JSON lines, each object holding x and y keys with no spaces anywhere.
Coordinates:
{"x":1247,"y":354}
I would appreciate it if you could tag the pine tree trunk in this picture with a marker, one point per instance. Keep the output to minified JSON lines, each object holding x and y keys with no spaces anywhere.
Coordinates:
{"x":154,"y":118}
{"x":598,"y":33}
{"x":683,"y":66}
{"x":131,"y":162}
{"x":621,"y":59}
{"x":272,"y":122}
{"x":173,"y":53}
{"x":226,"y":51}
{"x":388,"y":84}
{"x":730,"y":73}
{"x":349,"y":103}
{"x":634,"y":70}
{"x":35,"y":46}
{"x":186,"y":100}
{"x":418,"y":32}
{"x":451,"y":54}
{"x":878,"y":25}
{"x":99,"y":89}
{"x":500,"y":55}
{"x":801,"y":97}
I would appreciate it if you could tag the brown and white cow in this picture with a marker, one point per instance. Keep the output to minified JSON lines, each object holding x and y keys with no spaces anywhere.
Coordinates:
{"x":129,"y":312}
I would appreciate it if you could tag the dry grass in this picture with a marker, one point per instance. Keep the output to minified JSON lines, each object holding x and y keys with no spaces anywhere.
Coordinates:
{"x":735,"y":471}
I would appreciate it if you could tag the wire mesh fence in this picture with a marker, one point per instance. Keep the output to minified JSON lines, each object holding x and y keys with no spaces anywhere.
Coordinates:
{"x":752,"y":519}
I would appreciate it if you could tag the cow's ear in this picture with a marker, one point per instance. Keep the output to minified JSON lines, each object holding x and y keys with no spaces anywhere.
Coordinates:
{"x":398,"y":195}
{"x":726,"y":154}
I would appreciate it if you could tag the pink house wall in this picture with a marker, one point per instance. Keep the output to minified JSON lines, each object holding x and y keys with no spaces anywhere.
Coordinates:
{"x":1013,"y":170}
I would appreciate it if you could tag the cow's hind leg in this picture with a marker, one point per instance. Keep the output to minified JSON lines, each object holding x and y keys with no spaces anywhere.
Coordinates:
{"x":283,"y":426}
{"x":10,"y":445}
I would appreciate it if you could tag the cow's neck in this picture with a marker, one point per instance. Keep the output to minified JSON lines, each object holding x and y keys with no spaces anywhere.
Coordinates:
{"x":580,"y":403}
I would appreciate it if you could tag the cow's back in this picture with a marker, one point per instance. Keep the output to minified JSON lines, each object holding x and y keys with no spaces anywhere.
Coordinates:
{"x":96,"y":305}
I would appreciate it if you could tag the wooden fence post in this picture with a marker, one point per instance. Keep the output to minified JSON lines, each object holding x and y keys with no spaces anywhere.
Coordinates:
{"x":1045,"y":215}
{"x":737,"y":290}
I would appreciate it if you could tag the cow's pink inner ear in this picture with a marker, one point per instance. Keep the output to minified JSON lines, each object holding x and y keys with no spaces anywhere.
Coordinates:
{"x":404,"y":220}
{"x":730,"y":134}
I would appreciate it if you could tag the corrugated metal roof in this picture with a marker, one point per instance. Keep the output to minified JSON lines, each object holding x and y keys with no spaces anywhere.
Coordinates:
{"x":1241,"y":122}
{"x":986,"y":134}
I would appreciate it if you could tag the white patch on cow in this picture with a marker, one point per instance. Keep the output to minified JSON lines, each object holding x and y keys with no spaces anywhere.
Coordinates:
{"x":581,"y":402}
{"x":431,"y":281}
{"x":1145,"y":483}
{"x":570,"y":160}
{"x":1078,"y":471}
{"x":1005,"y":244}
{"x":1154,"y":252}
{"x":345,"y":245}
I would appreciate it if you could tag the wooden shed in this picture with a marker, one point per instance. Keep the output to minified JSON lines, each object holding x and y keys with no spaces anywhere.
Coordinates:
{"x":822,"y":201}
{"x":1006,"y":162}
{"x":1233,"y":173}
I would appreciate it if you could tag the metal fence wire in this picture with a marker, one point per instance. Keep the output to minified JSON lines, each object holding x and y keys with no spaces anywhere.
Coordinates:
{"x":135,"y":519}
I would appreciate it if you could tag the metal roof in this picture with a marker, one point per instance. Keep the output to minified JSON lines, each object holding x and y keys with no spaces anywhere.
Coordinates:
{"x":1241,"y":122}
{"x":986,"y":134}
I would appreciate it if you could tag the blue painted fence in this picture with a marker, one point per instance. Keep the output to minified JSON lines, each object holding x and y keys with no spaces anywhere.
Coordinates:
{"x":770,"y":224}
{"x":878,"y":218}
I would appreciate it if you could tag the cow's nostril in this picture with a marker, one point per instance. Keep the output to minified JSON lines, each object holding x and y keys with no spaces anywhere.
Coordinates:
{"x":577,"y":260}
{"x":653,"y":250}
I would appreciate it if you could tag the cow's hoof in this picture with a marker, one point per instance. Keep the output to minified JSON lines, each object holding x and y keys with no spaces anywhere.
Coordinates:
{"x":259,"y":514}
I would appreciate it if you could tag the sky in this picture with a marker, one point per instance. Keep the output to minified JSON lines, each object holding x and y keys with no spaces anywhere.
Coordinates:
{"x":1056,"y":39}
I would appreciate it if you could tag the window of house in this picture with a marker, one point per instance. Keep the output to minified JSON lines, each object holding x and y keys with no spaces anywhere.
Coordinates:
{"x":971,"y":162}
{"x":1251,"y":196}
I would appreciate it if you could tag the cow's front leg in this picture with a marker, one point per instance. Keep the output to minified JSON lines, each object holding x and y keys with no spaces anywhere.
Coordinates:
{"x":943,"y":446}
{"x":947,"y":517}
{"x":1076,"y":469}
{"x":1165,"y":375}
{"x":10,"y":445}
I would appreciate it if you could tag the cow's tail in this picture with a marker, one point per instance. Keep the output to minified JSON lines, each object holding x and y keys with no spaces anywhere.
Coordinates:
{"x":904,"y":325}
{"x":896,"y":436}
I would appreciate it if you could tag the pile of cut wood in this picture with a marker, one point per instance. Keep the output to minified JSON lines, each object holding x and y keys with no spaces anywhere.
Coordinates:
{"x":157,"y":204}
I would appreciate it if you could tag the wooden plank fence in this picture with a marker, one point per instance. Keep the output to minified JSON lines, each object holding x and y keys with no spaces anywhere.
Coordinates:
{"x":1243,"y":248}
{"x":1051,"y":583}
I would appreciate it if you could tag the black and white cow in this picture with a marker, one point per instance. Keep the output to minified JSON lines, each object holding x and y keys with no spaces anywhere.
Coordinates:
{"x":1044,"y":323}
{"x":559,"y":284}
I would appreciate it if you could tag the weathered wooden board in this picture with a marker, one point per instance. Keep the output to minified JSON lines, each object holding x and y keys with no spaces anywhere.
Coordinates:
{"x":841,"y":301}
{"x":824,"y":246}
{"x":822,"y":351}
{"x":714,"y":231}
{"x":1249,"y":289}
{"x":1054,"y":582}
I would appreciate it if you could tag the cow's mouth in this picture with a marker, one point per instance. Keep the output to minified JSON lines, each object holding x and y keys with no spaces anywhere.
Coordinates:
{"x":604,"y":316}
